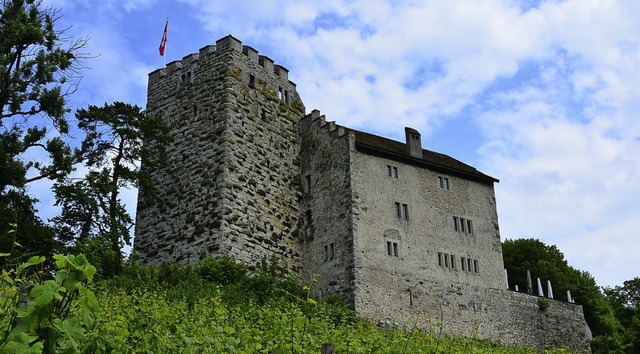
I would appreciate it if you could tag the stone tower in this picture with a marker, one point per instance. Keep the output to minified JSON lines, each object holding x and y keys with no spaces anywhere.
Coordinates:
{"x":232,"y":184}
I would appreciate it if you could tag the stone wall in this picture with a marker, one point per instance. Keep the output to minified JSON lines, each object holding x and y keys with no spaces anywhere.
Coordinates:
{"x":326,"y":230}
{"x":232,"y":182}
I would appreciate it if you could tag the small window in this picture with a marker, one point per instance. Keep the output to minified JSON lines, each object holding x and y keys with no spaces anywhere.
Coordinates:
{"x":444,"y":183}
{"x":440,"y":261}
{"x":392,"y":171}
{"x":252,"y":81}
{"x":463,"y":263}
{"x":469,"y":264}
{"x":453,"y":261}
{"x":307,"y":180}
{"x":402,"y":211}
{"x":446,"y":260}
{"x":392,"y":249}
{"x":309,"y":223}
{"x":463,"y":225}
{"x":475,"y":266}
{"x":329,"y":252}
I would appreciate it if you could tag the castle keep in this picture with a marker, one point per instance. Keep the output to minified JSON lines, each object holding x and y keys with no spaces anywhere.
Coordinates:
{"x":402,"y":233}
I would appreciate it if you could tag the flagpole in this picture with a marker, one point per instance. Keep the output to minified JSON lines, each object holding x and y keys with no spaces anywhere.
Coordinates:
{"x":163,"y":44}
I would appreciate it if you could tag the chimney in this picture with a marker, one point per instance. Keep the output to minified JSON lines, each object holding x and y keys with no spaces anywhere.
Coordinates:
{"x":414,"y":144}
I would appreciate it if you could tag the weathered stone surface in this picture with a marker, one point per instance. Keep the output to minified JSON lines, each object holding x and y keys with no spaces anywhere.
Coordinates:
{"x":400,"y":232}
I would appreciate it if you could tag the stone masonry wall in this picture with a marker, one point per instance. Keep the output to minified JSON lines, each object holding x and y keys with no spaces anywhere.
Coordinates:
{"x":326,"y":231}
{"x":232,"y":182}
{"x":413,"y":286}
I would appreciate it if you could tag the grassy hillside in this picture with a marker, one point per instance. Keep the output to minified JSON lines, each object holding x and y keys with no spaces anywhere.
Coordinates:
{"x":215,"y":306}
{"x":220,"y":307}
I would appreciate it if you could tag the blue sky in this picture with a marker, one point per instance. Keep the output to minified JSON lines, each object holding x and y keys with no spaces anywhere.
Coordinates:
{"x":540,"y":94}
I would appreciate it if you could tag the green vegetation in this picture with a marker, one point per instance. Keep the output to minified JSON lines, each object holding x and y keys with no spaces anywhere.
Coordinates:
{"x":215,"y":306}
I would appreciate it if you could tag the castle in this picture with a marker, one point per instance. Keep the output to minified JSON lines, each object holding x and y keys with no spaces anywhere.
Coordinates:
{"x":401,"y":233}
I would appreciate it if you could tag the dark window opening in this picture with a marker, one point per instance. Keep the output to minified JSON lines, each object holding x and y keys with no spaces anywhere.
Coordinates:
{"x":392,"y":171}
{"x":444,"y":183}
{"x":392,"y":249}
{"x":252,"y":81}
{"x":307,"y":180}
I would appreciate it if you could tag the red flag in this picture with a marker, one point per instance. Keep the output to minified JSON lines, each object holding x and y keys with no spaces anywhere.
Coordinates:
{"x":163,"y":42}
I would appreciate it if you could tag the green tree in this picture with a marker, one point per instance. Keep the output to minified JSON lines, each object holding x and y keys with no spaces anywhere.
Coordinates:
{"x":625,"y":301}
{"x":118,"y":137}
{"x":38,"y":69}
{"x":548,"y":263}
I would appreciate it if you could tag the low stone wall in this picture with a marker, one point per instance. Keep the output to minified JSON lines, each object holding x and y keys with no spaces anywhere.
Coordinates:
{"x":493,"y":314}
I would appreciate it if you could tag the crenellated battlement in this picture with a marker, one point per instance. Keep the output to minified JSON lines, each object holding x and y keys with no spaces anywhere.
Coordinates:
{"x":321,"y":122}
{"x":228,"y":43}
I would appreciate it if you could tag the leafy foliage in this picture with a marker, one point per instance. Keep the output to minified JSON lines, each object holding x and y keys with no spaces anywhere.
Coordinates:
{"x":118,"y":137}
{"x":47,"y":316}
{"x":219,"y":306}
{"x":625,"y":301}
{"x":36,"y":73}
{"x":38,"y":69}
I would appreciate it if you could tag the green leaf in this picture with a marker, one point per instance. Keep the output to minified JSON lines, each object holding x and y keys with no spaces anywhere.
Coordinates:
{"x":20,"y":344}
{"x":35,"y":260}
{"x":45,"y":293}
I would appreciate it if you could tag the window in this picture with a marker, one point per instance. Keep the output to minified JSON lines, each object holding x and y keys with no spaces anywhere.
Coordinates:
{"x":252,"y":81}
{"x":449,"y":261}
{"x":402,"y":211}
{"x":392,"y":249}
{"x":309,"y":223}
{"x":329,"y":252}
{"x":392,"y":171}
{"x":469,"y":265}
{"x":307,"y":180}
{"x":462,"y":225}
{"x":444,"y":183}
